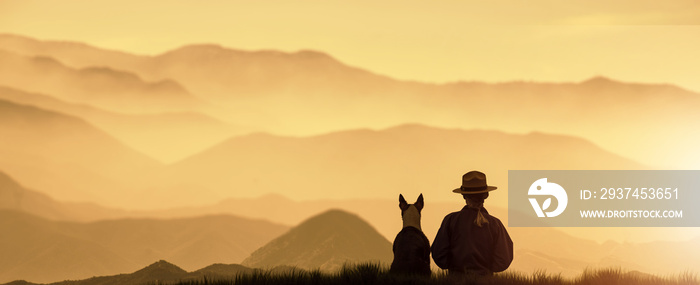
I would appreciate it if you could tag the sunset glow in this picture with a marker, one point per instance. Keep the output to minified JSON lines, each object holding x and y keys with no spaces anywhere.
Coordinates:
{"x":167,"y":136}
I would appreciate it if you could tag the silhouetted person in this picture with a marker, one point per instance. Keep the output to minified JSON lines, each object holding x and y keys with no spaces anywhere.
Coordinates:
{"x":471,"y":241}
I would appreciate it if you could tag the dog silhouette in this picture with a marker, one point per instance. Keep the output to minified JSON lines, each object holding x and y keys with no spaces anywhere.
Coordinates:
{"x":411,"y":246}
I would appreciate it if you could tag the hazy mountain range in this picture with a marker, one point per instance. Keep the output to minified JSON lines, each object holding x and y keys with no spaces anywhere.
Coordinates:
{"x":158,"y":273}
{"x":535,"y":248}
{"x":561,"y":250}
{"x":377,"y":164}
{"x":15,"y":197}
{"x":65,"y":154}
{"x":152,"y":133}
{"x":78,"y":162}
{"x":100,"y":86}
{"x":325,"y":241}
{"x":40,"y":250}
{"x":131,"y":137}
{"x":309,"y":92}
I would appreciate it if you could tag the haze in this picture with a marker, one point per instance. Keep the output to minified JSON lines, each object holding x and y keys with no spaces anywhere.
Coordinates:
{"x":234,"y":122}
{"x":643,"y":41}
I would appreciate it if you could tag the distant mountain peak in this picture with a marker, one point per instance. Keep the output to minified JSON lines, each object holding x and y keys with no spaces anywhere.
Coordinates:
{"x":598,"y":78}
{"x":417,"y":127}
{"x":30,"y":40}
{"x":332,"y":215}
{"x":599,"y":81}
{"x":411,"y":126}
{"x":161,"y":268}
{"x":202,"y":48}
{"x":224,"y":269}
{"x":107,"y":71}
{"x":313,"y":54}
{"x":7,"y":182}
{"x":325,"y":241}
{"x":16,"y":36}
{"x":11,"y":193}
{"x":602,"y":83}
{"x":162,"y":265}
{"x":208,"y":50}
{"x":275,"y":197}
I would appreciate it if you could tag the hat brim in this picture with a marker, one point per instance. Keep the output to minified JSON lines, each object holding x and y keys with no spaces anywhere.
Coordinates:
{"x":488,"y":189}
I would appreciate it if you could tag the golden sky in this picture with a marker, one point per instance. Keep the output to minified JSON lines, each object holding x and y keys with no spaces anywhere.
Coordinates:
{"x":437,"y":41}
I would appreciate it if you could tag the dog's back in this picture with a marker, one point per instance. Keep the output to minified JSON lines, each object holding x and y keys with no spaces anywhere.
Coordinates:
{"x":411,"y":252}
{"x":411,"y":246}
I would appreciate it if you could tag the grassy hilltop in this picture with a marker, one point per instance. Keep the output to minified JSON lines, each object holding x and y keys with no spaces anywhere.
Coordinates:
{"x":376,"y":274}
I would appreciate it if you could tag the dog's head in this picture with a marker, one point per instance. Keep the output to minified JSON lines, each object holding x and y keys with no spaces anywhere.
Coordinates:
{"x":405,"y":206}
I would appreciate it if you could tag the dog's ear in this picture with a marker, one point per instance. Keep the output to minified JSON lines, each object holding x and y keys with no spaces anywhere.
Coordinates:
{"x":419,"y":203}
{"x":403,"y":205}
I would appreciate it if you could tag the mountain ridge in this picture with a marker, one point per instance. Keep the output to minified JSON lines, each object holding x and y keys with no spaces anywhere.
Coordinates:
{"x":40,"y":250}
{"x":34,"y":46}
{"x":157,"y":273}
{"x":51,"y":145}
{"x":534,"y":249}
{"x":14,"y":196}
{"x":103,"y":86}
{"x":372,"y":162}
{"x":289,"y":96}
{"x":149,"y":133}
{"x":325,"y":241}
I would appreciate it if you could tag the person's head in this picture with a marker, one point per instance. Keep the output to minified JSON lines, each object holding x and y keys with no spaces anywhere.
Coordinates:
{"x":474,"y":182}
{"x":475,"y":190}
{"x":475,"y":200}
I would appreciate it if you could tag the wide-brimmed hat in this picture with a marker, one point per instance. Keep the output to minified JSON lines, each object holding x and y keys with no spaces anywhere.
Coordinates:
{"x":474,"y":182}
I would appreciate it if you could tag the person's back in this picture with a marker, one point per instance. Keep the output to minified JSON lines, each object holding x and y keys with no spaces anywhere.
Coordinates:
{"x":471,"y":240}
{"x":465,"y":247}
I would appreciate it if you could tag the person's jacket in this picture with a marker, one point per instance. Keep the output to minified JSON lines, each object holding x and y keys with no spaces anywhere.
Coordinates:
{"x":463,"y":247}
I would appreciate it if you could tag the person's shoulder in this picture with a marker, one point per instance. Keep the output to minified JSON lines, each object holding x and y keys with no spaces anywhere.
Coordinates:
{"x":493,"y":218}
{"x":452,"y":215}
{"x":496,"y":221}
{"x":455,"y":214}
{"x":449,"y":217}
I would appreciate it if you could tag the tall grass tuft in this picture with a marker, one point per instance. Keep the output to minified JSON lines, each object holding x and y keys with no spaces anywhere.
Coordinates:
{"x":371,"y":273}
